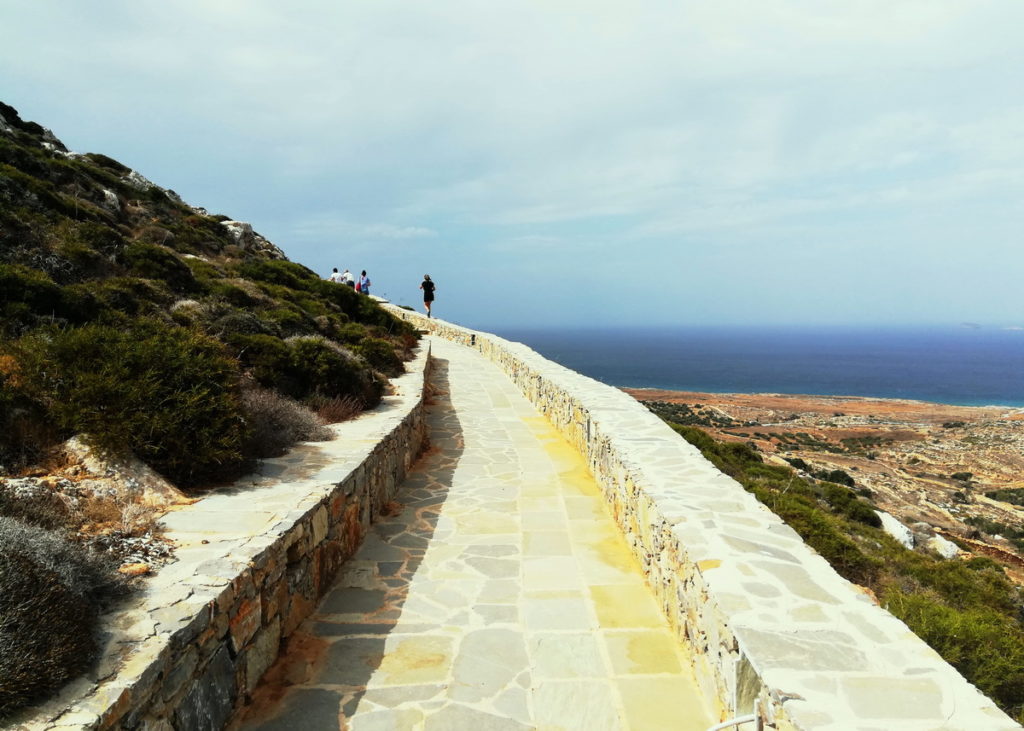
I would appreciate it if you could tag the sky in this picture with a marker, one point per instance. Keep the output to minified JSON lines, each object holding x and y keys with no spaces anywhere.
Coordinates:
{"x":573,"y":163}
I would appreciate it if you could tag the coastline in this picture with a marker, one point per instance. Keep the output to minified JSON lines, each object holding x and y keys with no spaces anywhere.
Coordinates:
{"x":796,"y":400}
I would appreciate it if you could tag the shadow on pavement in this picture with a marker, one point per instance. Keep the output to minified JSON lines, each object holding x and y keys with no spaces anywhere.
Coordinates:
{"x":322,"y":672}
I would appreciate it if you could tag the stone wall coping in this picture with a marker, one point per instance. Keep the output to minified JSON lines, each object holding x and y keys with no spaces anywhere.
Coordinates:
{"x":765,"y":615}
{"x":222,"y":539}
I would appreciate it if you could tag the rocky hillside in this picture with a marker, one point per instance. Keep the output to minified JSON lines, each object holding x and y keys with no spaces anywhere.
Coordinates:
{"x":138,"y":330}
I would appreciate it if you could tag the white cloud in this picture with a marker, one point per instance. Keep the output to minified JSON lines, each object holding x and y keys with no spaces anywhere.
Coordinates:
{"x":539,"y":126}
{"x":331,"y":227}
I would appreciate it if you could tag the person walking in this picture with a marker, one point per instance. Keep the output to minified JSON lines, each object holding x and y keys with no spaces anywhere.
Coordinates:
{"x":335,"y":277}
{"x":364,"y":283}
{"x":347,"y":278}
{"x":428,"y":293}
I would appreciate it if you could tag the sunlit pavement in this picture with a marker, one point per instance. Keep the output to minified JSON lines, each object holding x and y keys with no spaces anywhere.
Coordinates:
{"x":499,"y":596}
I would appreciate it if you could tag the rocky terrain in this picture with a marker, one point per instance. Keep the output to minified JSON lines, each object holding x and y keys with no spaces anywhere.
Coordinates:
{"x":922,"y":462}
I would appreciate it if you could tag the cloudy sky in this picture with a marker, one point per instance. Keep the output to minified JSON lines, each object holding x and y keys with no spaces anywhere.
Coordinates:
{"x":794,"y":161}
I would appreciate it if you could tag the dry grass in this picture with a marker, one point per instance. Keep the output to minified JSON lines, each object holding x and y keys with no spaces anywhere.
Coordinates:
{"x":337,"y":408}
{"x":126,"y":514}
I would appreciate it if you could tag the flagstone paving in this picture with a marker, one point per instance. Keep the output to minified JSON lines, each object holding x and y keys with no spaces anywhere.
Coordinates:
{"x":499,"y":595}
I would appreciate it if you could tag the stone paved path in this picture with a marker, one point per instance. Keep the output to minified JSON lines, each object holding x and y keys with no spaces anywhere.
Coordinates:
{"x":499,"y":596}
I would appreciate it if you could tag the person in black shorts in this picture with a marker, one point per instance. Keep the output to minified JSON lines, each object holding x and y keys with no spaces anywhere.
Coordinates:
{"x":428,"y":293}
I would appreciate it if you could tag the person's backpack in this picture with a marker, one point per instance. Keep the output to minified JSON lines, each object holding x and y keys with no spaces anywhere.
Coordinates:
{"x":359,"y":286}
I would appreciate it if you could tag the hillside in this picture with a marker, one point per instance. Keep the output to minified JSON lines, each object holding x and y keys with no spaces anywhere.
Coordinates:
{"x":149,"y":350}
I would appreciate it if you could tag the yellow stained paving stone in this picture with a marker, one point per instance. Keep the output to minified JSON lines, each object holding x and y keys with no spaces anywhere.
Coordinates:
{"x":546,"y":543}
{"x":642,"y":651}
{"x":597,"y":572}
{"x":584,"y":507}
{"x":578,"y":482}
{"x":585,"y":532}
{"x":412,"y":660}
{"x":625,"y":605}
{"x":613,"y":551}
{"x":535,"y":520}
{"x":666,"y":702}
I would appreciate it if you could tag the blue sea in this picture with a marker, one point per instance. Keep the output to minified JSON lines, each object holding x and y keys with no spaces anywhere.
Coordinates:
{"x":954,"y":365}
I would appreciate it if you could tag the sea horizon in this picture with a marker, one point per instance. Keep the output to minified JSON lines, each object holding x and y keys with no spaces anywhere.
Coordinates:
{"x":953,"y":365}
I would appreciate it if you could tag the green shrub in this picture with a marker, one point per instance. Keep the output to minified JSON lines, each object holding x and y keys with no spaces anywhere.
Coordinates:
{"x":267,"y":359}
{"x":984,"y":645}
{"x":284,"y":273}
{"x":232,"y":294}
{"x":846,"y":502}
{"x":155,"y":262}
{"x":109,"y":163}
{"x":204,"y":272}
{"x":960,"y":584}
{"x":381,"y":355}
{"x":351,"y":333}
{"x":199,"y":233}
{"x":239,"y":321}
{"x":1014,"y":496}
{"x":322,"y":368}
{"x":840,"y":477}
{"x":127,"y":295}
{"x":289,"y":321}
{"x":167,"y":394}
{"x":27,"y":295}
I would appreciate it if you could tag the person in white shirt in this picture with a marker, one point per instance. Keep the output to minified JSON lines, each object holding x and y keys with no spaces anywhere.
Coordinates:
{"x":347,"y":278}
{"x":335,"y":277}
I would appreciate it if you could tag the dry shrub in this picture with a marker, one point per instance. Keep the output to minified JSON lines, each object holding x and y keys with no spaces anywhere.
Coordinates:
{"x":138,"y":518}
{"x":124,"y":513}
{"x":408,"y":343}
{"x":278,"y":422}
{"x":50,"y":594}
{"x":41,"y":508}
{"x":100,"y":509}
{"x":333,"y":409}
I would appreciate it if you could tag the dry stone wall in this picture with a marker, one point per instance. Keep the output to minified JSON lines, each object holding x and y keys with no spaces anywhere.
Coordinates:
{"x":252,"y":564}
{"x":767,"y":619}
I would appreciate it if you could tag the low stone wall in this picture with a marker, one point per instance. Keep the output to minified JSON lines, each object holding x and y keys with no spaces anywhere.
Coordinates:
{"x":766,"y":618}
{"x":253,"y":561}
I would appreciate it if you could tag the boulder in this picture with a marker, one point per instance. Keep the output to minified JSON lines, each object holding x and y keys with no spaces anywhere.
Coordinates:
{"x":896,"y":529}
{"x":943,"y":547}
{"x":249,"y":240}
{"x":128,"y":475}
